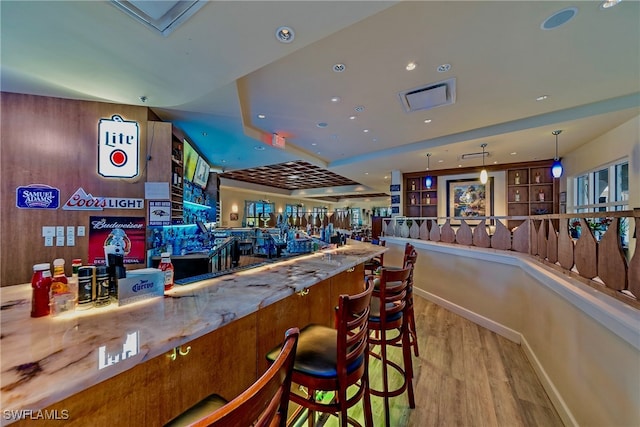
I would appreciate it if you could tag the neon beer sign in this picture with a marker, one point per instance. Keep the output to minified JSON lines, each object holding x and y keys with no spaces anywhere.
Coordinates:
{"x":118,"y":147}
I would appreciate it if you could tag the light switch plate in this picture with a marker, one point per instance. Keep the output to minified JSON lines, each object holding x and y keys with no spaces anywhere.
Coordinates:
{"x":80,"y":231}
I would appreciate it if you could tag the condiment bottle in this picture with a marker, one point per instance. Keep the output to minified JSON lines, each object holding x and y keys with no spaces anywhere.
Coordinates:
{"x":41,"y":286}
{"x":59,"y":280}
{"x":167,"y":267}
{"x":75,"y":266}
{"x":62,"y":298}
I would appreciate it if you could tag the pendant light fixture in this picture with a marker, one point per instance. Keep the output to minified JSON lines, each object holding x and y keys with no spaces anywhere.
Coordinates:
{"x":556,"y":168}
{"x":484,"y":177}
{"x":428,"y":182}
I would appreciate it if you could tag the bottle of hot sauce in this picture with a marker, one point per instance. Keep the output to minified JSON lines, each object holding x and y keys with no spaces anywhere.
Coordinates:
{"x":41,"y":286}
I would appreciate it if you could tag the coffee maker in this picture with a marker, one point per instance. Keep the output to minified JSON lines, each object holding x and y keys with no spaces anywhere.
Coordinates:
{"x":115,"y":268}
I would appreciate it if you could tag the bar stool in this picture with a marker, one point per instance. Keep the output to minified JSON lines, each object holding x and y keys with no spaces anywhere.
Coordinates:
{"x":264,"y":403}
{"x":372,"y":265}
{"x":389,"y":322}
{"x":333,"y":360}
{"x":410,"y":261}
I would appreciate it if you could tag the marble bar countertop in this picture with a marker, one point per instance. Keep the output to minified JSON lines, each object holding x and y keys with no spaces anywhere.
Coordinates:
{"x":47,"y":359}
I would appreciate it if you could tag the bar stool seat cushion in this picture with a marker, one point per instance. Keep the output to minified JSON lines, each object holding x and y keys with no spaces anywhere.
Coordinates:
{"x":390,"y":285}
{"x":317,"y":352}
{"x":374,"y":314}
{"x":201,"y":409}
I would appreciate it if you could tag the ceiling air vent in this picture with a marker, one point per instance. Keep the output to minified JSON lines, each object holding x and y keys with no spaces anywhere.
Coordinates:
{"x":431,"y":96}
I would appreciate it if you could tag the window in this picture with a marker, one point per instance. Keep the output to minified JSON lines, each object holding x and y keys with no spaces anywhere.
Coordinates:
{"x":356,"y":219}
{"x":603,"y":189}
{"x":253,"y":209}
{"x":293,"y":210}
{"x":318,"y":214}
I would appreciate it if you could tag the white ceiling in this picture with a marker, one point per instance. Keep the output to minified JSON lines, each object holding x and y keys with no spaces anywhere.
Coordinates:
{"x":215,"y":73}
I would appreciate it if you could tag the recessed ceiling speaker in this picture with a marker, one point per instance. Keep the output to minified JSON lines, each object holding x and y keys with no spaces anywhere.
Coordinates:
{"x":559,"y":18}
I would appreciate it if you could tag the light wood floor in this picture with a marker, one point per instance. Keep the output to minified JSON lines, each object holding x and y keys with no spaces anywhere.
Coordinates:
{"x":465,"y":376}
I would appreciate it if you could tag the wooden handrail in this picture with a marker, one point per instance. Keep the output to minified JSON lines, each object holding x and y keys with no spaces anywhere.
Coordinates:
{"x":600,"y":249}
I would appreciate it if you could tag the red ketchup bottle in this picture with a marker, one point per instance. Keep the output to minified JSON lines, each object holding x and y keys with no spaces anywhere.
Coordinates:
{"x":167,"y":267}
{"x":41,"y":286}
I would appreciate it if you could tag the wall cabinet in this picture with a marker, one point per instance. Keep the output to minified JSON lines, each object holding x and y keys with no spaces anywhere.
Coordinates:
{"x":531,"y":191}
{"x":420,"y":200}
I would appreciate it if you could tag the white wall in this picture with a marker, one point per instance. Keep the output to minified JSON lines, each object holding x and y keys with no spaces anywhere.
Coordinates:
{"x":621,"y":142}
{"x":584,"y":345}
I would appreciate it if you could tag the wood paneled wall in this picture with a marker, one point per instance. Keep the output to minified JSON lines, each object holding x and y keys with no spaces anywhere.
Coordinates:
{"x":54,"y":141}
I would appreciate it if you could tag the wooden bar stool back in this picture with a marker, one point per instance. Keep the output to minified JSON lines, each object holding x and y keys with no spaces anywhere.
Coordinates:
{"x":410,"y":262}
{"x":388,"y":322}
{"x":377,"y":261}
{"x":334,"y":360}
{"x":264,"y":403}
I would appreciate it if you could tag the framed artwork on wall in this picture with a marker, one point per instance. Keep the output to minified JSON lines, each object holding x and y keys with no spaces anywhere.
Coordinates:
{"x":469,"y":199}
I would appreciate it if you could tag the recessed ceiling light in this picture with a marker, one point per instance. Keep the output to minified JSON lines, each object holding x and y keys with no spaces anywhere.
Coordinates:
{"x":359,"y":108}
{"x":427,"y":120}
{"x":542,"y":97}
{"x":559,"y":18}
{"x":366,"y":173}
{"x":440,"y":161}
{"x":322,"y":125}
{"x":365,"y":130}
{"x":335,"y":99}
{"x":608,"y":4}
{"x":261,"y":116}
{"x":285,"y":34}
{"x":495,"y":162}
{"x":223,"y":161}
{"x":459,"y":166}
{"x":314,"y":144}
{"x":513,"y":153}
{"x":339,"y":68}
{"x":353,"y":117}
{"x":444,"y":68}
{"x":259,"y":148}
{"x":411,"y":66}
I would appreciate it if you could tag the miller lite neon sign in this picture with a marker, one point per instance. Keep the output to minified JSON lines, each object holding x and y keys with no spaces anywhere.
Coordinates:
{"x":118,"y":148}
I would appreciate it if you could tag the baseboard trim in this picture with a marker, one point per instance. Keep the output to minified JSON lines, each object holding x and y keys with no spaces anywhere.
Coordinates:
{"x":558,"y":402}
{"x":485,"y":322}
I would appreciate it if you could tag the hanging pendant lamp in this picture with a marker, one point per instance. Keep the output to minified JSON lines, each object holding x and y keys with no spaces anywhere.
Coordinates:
{"x":556,"y":168}
{"x":428,"y":182}
{"x":484,"y":176}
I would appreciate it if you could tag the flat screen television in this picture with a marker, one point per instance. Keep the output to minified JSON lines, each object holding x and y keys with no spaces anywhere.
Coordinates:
{"x":201,"y":175}
{"x":190,"y":161}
